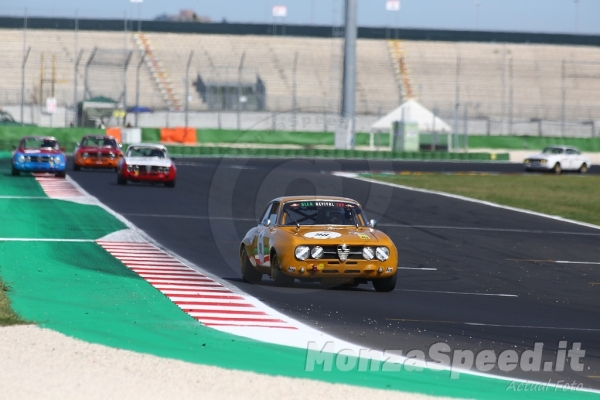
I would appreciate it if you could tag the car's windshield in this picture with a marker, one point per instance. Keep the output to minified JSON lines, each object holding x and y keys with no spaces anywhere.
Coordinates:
{"x":322,"y":213}
{"x":552,"y":150}
{"x":145,"y":152}
{"x":39,"y":143}
{"x":98,"y":142}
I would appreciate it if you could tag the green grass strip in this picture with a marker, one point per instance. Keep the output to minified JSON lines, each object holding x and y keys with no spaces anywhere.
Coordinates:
{"x":569,"y":196}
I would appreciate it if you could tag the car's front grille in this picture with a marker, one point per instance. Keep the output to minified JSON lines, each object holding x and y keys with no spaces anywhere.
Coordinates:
{"x":331,"y":253}
{"x":38,"y":159}
{"x":146,"y":169}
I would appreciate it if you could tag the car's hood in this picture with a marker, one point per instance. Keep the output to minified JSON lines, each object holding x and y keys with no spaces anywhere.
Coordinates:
{"x":336,"y":234}
{"x":540,"y":156}
{"x":159,"y":162}
{"x":39,"y":151}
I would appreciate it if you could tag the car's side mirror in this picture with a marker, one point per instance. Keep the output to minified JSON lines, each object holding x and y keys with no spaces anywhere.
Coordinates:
{"x":120,"y":145}
{"x":266,"y":222}
{"x":373,"y":223}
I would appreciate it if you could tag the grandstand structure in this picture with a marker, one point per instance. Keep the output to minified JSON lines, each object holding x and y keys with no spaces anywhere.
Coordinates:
{"x":490,"y":82}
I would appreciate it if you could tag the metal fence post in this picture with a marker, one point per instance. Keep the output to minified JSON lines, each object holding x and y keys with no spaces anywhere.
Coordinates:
{"x":23,"y":82}
{"x":137,"y":87}
{"x":239,"y":90}
{"x":294,"y":91}
{"x":510,"y":95}
{"x":75,"y":81}
{"x":187,"y":86}
{"x":25,"y":55}
{"x":456,"y":107}
{"x":563,"y":97}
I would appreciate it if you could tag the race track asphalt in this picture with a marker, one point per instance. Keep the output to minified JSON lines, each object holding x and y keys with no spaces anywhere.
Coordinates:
{"x":471,"y":274}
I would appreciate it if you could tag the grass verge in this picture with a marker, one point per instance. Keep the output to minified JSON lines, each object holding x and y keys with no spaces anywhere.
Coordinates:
{"x":569,"y":196}
{"x":7,"y":315}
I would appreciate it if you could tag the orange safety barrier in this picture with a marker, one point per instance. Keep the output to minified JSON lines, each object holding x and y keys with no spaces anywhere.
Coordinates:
{"x":178,"y":135}
{"x":114,"y":132}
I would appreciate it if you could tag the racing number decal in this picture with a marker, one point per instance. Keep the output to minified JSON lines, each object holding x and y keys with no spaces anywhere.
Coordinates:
{"x":260,"y":245}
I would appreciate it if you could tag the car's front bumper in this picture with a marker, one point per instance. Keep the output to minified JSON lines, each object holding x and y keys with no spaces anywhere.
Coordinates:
{"x":143,"y":176}
{"x":94,"y":162}
{"x":338,"y":270}
{"x":538,"y":166}
{"x":39,"y":167}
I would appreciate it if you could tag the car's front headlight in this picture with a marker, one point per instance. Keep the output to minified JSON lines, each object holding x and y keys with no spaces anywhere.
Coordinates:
{"x":382,"y":253}
{"x":527,"y":161}
{"x":543,"y":161}
{"x":21,"y":158}
{"x":316,"y":252}
{"x":57,"y":160}
{"x":84,"y":155}
{"x":302,"y":252}
{"x":368,"y":253}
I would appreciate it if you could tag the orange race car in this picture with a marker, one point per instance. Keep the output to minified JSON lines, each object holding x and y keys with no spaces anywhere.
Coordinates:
{"x":325,"y":239}
{"x":97,"y":151}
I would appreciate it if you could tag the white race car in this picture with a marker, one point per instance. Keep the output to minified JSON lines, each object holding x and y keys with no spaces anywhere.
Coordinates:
{"x":147,"y":162}
{"x":558,"y":159}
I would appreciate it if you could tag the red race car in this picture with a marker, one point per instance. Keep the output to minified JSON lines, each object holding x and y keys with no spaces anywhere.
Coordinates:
{"x":147,"y":162}
{"x":96,"y":151}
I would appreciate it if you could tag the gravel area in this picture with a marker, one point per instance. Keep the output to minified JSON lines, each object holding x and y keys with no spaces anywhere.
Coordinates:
{"x":40,"y":363}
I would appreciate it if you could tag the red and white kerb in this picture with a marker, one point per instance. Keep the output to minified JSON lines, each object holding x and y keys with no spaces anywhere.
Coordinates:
{"x":196,"y":294}
{"x":56,"y":187}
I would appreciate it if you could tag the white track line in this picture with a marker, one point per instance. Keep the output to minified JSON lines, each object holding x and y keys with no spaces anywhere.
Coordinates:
{"x":466,"y":228}
{"x":45,"y":240}
{"x":465,"y":293}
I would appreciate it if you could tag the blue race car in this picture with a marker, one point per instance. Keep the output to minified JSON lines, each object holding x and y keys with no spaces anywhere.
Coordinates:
{"x":39,"y":154}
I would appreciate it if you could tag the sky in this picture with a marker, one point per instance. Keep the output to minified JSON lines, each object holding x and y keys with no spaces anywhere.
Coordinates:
{"x":561,"y":16}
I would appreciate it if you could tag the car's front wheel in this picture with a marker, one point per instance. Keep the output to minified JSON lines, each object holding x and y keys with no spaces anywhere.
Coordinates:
{"x":277,"y":275}
{"x":249,"y":273}
{"x":557,"y":169}
{"x":583,"y":169}
{"x":121,"y":180}
{"x":385,"y":284}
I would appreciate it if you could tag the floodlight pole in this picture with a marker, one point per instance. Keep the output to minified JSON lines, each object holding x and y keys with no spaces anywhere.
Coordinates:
{"x":344,"y":137}
{"x":187,"y":87}
{"x":137,"y":86}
